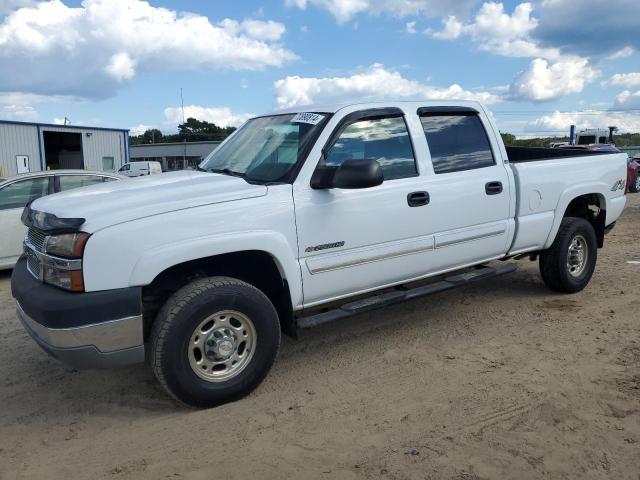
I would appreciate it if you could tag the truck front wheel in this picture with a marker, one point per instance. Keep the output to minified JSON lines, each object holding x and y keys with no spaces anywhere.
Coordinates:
{"x":214,"y":341}
{"x":567,"y":266}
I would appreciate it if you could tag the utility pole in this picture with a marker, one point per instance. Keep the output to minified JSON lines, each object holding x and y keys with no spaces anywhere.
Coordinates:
{"x":184,"y":151}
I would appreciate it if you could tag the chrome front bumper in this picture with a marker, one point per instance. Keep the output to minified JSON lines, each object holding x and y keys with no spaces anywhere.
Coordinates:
{"x":99,"y":345}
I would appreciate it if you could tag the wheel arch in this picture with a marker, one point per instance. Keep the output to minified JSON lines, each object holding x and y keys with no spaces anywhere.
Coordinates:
{"x":587,"y":202}
{"x":263,"y":263}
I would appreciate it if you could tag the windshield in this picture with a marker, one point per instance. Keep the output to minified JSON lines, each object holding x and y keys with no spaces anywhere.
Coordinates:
{"x":266,"y":149}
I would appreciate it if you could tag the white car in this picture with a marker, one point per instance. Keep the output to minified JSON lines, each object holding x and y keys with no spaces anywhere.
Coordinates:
{"x":17,"y":191}
{"x":301,"y":217}
{"x":139,"y":169}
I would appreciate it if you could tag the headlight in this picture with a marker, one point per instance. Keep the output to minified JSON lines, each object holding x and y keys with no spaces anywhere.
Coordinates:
{"x":66,"y":244}
{"x":62,"y":260}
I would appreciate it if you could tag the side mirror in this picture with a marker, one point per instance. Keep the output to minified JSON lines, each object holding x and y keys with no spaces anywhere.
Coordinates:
{"x":353,"y":173}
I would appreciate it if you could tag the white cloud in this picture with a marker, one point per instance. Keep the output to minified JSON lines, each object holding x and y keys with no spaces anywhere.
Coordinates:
{"x":543,"y":81}
{"x":139,"y":129}
{"x":622,"y":53}
{"x":374,"y":83}
{"x":410,"y":27}
{"x":21,"y":113}
{"x":221,"y":116}
{"x":91,"y":50}
{"x":59,"y":121}
{"x":549,"y":76}
{"x":121,"y":66}
{"x":625,"y":79}
{"x":8,"y":6}
{"x":628,"y":100}
{"x":258,"y":29}
{"x":588,"y":27}
{"x":18,"y":106}
{"x":560,"y":121}
{"x":495,"y":31}
{"x":452,"y":29}
{"x":345,"y":10}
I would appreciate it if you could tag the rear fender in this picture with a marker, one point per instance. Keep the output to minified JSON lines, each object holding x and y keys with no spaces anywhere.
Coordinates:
{"x":601,"y":189}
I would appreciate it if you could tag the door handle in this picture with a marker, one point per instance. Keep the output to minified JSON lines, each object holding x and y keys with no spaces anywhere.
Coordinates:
{"x":417,"y":199}
{"x":493,"y":188}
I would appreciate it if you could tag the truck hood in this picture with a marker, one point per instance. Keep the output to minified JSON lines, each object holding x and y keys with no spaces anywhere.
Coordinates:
{"x":115,"y":202}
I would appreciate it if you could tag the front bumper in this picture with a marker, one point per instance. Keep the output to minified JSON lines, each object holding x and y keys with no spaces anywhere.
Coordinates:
{"x":83,"y":330}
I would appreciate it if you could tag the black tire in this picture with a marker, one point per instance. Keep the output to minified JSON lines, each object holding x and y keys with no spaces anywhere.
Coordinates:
{"x":635,"y":185}
{"x":553,"y":261}
{"x":171,"y":334}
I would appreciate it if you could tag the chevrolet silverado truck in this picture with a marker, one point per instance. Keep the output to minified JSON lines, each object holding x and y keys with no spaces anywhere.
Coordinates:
{"x":300,"y":217}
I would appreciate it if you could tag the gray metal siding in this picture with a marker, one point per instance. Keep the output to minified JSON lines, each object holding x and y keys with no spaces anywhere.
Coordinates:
{"x":18,"y":140}
{"x":159,"y":150}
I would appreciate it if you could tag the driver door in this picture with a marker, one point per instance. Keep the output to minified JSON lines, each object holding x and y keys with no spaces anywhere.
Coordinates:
{"x":362,"y":239}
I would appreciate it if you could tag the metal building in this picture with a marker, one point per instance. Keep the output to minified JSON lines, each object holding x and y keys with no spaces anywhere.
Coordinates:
{"x":173,"y":156}
{"x":31,"y":147}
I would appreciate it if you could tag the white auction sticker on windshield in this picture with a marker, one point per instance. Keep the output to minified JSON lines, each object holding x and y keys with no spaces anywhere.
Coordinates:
{"x":311,"y":118}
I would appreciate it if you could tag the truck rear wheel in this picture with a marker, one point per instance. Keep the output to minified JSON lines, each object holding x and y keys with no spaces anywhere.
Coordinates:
{"x":214,"y":341}
{"x":567,"y":266}
{"x":635,"y":185}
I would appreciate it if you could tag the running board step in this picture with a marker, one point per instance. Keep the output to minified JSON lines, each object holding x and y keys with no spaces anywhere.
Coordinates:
{"x":397,"y":296}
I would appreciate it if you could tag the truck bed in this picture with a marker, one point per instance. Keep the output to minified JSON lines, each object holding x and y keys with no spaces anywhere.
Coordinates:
{"x":535,"y":154}
{"x":547,"y":179}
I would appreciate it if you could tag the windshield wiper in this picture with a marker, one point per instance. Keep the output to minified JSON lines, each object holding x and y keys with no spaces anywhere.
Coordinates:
{"x":226,"y":171}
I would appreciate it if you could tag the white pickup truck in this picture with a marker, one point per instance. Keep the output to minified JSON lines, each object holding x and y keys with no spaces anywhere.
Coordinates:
{"x":293,"y":216}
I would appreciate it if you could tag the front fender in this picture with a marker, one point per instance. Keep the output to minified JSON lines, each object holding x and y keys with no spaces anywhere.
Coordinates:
{"x":156,"y":260}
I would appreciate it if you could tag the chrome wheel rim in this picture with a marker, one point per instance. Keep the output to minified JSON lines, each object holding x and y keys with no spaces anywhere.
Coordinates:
{"x":222,"y":346}
{"x":578,"y":256}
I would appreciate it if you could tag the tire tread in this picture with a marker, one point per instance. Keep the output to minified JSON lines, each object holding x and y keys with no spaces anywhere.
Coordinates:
{"x":551,"y":260}
{"x":173,"y":306}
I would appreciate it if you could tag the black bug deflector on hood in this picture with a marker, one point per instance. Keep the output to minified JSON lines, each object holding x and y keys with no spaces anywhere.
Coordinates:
{"x":48,"y":222}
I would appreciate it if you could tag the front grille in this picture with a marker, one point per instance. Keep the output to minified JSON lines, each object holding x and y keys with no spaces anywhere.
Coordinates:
{"x":36,"y":238}
{"x":33,"y":264}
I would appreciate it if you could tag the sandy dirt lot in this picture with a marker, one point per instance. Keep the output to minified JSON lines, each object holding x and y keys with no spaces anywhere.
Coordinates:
{"x":501,"y":379}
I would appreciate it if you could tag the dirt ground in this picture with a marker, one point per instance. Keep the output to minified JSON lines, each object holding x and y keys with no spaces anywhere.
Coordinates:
{"x":501,"y":379}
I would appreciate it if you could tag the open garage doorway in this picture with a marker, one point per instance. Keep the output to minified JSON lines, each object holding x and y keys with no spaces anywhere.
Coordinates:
{"x":63,"y":150}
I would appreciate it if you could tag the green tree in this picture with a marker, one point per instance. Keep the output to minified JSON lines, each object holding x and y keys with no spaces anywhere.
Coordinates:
{"x":194,"y":130}
{"x":508,"y":138}
{"x":152,"y":135}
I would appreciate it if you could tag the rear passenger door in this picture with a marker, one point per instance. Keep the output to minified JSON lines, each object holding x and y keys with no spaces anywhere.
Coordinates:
{"x":469,"y":210}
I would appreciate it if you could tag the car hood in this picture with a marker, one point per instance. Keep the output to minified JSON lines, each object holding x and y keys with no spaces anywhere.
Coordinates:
{"x":111,"y":203}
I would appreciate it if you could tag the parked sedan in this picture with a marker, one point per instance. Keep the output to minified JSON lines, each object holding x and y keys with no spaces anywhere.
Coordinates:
{"x":17,"y":191}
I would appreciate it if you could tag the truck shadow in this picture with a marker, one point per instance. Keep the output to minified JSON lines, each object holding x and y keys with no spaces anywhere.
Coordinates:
{"x":134,"y":392}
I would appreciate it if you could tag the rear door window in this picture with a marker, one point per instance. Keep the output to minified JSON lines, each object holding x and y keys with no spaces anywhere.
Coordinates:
{"x":457,"y":142}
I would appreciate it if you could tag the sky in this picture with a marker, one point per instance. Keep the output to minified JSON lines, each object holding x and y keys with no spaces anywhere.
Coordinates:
{"x":540,"y":66}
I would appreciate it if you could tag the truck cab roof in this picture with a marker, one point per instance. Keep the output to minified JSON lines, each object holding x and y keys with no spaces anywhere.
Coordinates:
{"x":405,"y":104}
